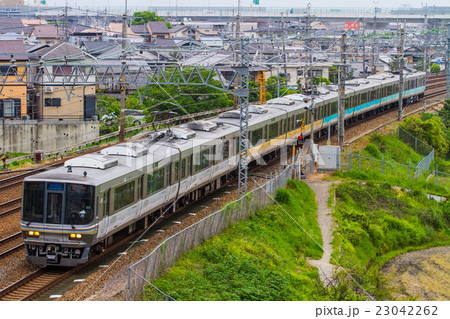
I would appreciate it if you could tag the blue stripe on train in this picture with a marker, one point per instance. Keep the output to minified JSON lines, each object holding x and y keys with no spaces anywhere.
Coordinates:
{"x":369,"y":104}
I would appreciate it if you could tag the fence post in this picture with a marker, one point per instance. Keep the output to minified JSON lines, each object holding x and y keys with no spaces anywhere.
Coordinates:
{"x":359,"y":160}
{"x":409,"y":169}
{"x":436,"y":172}
{"x":382,"y":164}
{"x":349,"y":159}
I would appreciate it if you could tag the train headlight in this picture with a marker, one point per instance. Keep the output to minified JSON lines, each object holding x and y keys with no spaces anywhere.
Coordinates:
{"x":75,"y":236}
{"x":33,"y":234}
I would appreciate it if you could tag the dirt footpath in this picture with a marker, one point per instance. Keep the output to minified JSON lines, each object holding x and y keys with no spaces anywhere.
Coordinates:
{"x":322,"y":190}
{"x":424,"y":274}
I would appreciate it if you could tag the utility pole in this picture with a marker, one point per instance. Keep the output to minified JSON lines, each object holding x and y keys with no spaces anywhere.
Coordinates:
{"x":425,"y":50}
{"x":236,"y":56}
{"x":341,"y":94}
{"x":284,"y":44}
{"x":448,"y":60}
{"x":374,"y":67}
{"x":122,"y":85}
{"x":400,"y":69}
{"x":66,"y":26}
{"x":308,"y":78}
{"x":364,"y":48}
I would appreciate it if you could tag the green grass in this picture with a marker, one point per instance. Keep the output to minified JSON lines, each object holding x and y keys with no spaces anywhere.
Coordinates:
{"x":262,"y":258}
{"x":377,"y":222}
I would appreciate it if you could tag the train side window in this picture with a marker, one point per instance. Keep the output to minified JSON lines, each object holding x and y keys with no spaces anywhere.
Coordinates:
{"x":168,"y":175}
{"x":289,"y":120}
{"x":106,"y":195}
{"x":155,"y":181}
{"x":176,"y":172}
{"x":363,"y":98}
{"x":140,"y":188}
{"x":202,"y":160}
{"x":225,"y":149}
{"x":183,"y":168}
{"x":124,"y":195}
{"x":334,"y":107}
{"x":273,"y":130}
{"x":389,"y":90}
{"x":257,"y":136}
{"x":373,"y":95}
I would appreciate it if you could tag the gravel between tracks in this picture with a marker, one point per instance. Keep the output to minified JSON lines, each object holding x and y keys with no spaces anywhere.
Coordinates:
{"x":14,"y":267}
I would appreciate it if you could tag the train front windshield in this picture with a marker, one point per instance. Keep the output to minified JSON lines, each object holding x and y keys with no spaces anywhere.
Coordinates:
{"x":58,"y":203}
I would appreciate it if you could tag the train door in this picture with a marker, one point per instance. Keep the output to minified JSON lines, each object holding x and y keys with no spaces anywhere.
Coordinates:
{"x":104,"y":219}
{"x":54,"y":203}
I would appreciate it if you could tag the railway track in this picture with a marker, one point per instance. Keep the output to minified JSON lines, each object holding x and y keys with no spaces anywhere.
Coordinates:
{"x":11,"y":244}
{"x":11,"y":207}
{"x":17,"y":179}
{"x":39,"y":281}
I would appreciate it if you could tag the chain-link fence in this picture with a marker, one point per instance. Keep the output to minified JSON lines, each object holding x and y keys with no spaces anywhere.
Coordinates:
{"x":419,"y":146}
{"x":164,"y":256}
{"x":355,"y":161}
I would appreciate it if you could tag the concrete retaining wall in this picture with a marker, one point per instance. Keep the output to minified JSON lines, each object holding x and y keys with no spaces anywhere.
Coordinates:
{"x":26,"y":136}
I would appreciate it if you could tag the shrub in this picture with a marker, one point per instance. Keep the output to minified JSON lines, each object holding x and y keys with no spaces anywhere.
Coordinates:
{"x":373,"y":150}
{"x":282,"y":196}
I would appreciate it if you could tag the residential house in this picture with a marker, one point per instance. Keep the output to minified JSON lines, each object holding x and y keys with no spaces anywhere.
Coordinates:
{"x":13,"y":99}
{"x":14,"y":25}
{"x":74,"y":100}
{"x":142,"y":30}
{"x":96,"y":48}
{"x":158,"y":30}
{"x":46,"y":33}
{"x":185,"y":32}
{"x":81,"y":33}
{"x":114,"y":30}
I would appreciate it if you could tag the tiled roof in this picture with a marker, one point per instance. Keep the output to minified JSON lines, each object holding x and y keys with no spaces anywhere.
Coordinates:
{"x":45,"y":31}
{"x":164,"y":43}
{"x":98,"y":47}
{"x":158,"y":27}
{"x":62,"y":52}
{"x":13,"y":46}
{"x":140,"y":29}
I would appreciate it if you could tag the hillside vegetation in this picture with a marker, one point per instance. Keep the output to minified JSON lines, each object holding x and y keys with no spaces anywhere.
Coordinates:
{"x":377,"y":222}
{"x":262,"y":258}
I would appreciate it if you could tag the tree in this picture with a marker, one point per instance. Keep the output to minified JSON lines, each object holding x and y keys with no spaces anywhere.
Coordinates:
{"x":272,"y":85}
{"x":183,"y":99}
{"x":319,"y":79}
{"x":431,"y":131}
{"x":146,"y":16}
{"x":435,"y":68}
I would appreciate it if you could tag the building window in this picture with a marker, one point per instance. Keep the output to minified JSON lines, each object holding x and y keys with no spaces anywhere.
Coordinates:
{"x":10,"y":108}
{"x":52,"y":102}
{"x":6,"y":70}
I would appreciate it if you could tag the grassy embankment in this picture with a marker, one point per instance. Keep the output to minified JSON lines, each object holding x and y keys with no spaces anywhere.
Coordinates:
{"x":377,"y":222}
{"x":262,"y":258}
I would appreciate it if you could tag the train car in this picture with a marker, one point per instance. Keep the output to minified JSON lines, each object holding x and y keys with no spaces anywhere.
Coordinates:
{"x":73,"y":212}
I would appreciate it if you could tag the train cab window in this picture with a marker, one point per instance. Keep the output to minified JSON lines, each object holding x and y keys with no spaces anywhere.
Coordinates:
{"x":124,"y":195}
{"x":155,"y":181}
{"x":79,"y":204}
{"x":33,"y":202}
{"x":273,"y":130}
{"x":257,"y":136}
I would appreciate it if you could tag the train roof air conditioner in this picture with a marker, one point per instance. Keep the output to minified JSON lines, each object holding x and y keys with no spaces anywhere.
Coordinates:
{"x":92,"y":161}
{"x":201,"y":126}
